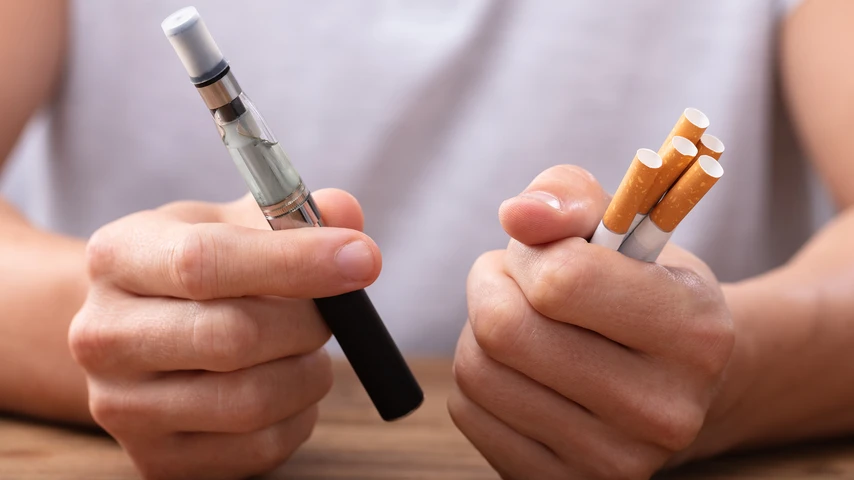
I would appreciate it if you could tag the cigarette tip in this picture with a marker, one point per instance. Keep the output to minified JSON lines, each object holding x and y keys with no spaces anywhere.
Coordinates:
{"x":649,"y":158}
{"x":697,"y":117}
{"x":711,"y":166}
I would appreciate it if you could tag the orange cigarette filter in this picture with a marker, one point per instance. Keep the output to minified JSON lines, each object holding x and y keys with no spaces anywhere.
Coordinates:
{"x":632,"y":191}
{"x":686,"y":193}
{"x":691,"y":125}
{"x":675,"y":159}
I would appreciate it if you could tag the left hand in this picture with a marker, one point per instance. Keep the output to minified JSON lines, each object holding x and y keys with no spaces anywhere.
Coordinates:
{"x":578,"y":362}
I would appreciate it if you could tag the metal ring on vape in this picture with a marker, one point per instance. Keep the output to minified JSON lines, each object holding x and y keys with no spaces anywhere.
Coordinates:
{"x":221,"y":92}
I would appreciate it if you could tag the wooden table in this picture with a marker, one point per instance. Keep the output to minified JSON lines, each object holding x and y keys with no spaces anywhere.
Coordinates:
{"x":351,"y":442}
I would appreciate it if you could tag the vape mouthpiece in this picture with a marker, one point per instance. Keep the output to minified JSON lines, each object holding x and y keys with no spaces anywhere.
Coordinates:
{"x":194,"y":45}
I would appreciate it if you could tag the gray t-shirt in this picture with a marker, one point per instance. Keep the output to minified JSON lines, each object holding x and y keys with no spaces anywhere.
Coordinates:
{"x":431,"y":112}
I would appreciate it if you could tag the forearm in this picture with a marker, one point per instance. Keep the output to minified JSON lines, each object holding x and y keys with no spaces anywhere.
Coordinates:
{"x":43,"y":282}
{"x":791,"y":376}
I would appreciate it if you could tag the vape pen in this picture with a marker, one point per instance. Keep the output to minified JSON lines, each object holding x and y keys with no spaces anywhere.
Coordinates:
{"x":287,"y":203}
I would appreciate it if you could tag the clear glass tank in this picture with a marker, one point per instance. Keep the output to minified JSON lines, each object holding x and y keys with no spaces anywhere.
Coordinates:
{"x":260,"y":159}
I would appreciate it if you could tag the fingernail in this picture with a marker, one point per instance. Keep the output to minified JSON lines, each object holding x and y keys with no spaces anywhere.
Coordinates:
{"x":543,"y":197}
{"x":355,"y":260}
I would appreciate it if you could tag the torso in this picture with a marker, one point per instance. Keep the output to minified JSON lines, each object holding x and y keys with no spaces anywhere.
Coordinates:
{"x":431,"y":113}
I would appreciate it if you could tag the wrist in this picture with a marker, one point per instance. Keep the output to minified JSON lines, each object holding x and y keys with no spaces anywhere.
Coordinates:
{"x":45,"y":288}
{"x":723,"y":429}
{"x":776,"y":326}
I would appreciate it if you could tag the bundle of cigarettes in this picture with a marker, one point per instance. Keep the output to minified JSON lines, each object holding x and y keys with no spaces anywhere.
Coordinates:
{"x":660,"y":188}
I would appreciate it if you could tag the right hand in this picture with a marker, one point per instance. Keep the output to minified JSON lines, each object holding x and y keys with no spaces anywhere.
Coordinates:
{"x":203,"y":351}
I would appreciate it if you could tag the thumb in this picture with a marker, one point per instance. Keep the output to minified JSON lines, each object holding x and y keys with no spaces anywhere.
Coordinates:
{"x":563,"y":201}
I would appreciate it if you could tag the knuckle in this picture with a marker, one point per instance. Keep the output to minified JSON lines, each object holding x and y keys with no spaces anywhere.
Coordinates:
{"x":316,"y":341}
{"x":243,"y":401}
{"x":322,"y":374}
{"x":250,"y":400}
{"x":103,"y":247}
{"x":112,"y":409}
{"x":225,"y":335}
{"x":308,"y":419}
{"x":101,"y":253}
{"x":194,"y":265}
{"x":715,"y":349}
{"x":712,"y":333}
{"x":104,"y":409}
{"x":272,"y":450}
{"x":497,"y":325}
{"x":278,"y":443}
{"x":560,"y":279}
{"x":90,"y":344}
{"x":676,"y":426}
{"x":468,"y":366}
{"x":308,"y":333}
{"x":314,"y":376}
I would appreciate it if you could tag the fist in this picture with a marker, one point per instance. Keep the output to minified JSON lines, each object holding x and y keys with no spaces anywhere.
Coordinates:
{"x":579,"y":362}
{"x":203,"y":351}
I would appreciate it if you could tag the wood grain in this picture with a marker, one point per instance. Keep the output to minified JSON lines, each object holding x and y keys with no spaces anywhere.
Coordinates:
{"x":352,"y":442}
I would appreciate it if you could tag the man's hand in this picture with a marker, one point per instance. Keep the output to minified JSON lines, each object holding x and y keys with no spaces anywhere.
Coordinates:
{"x":202,"y":349}
{"x":578,"y":362}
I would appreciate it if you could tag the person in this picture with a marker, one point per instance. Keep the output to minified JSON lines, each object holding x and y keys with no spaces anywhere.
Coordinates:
{"x":125,"y":237}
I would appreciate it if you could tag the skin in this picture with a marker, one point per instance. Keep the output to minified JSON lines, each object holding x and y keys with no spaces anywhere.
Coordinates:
{"x":44,"y":280}
{"x":666,"y":364}
{"x":201,"y":305}
{"x":578,"y":362}
{"x":189,"y":302}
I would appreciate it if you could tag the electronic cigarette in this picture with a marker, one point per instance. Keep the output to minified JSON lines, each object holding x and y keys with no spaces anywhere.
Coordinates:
{"x":287,"y":203}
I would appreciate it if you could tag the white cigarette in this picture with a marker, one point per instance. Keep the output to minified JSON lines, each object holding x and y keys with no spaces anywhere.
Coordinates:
{"x":649,"y":238}
{"x":708,"y":145}
{"x":624,"y":206}
{"x":637,"y":220}
{"x":646,"y":242}
{"x":691,"y":125}
{"x":675,"y":158}
{"x":606,"y":238}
